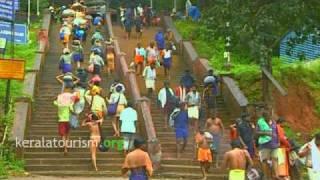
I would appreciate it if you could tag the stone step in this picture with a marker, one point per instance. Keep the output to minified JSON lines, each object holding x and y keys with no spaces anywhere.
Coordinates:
{"x":166,"y":163}
{"x":74,"y":167}
{"x":76,"y":154}
{"x":116,"y":174}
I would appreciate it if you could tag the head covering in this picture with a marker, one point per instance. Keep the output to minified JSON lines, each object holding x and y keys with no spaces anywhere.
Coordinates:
{"x":118,"y":88}
{"x":76,"y":42}
{"x":208,"y":135}
{"x":95,"y":90}
{"x":96,"y":78}
{"x":66,"y":50}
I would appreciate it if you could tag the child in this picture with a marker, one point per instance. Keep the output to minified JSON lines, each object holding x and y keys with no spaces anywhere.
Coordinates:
{"x":93,"y":122}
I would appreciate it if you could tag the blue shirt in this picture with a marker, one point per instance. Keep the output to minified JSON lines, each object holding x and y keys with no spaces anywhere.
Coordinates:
{"x":181,"y":120}
{"x":187,"y":80}
{"x":159,"y":38}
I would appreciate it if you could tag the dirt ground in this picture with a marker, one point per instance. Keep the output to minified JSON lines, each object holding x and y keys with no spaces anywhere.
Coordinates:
{"x":298,"y":108}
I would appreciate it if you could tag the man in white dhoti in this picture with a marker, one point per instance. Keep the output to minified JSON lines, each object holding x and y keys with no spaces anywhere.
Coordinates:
{"x":193,"y":101}
{"x":149,"y":74}
{"x":310,"y":154}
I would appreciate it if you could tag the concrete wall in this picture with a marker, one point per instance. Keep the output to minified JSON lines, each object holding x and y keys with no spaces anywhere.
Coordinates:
{"x":146,"y":126}
{"x":233,"y":96}
{"x":23,"y":105}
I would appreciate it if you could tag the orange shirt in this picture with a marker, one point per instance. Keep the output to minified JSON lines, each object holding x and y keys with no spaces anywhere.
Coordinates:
{"x":233,"y":134}
{"x":138,"y":158}
{"x":284,"y":143}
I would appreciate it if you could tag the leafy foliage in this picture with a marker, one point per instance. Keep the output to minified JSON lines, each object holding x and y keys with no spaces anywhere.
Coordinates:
{"x":257,"y":26}
{"x":25,"y":52}
{"x":33,"y":5}
{"x":8,"y":163}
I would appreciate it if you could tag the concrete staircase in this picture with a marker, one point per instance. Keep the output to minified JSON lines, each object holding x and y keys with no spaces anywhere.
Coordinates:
{"x":51,"y":161}
{"x":171,"y":167}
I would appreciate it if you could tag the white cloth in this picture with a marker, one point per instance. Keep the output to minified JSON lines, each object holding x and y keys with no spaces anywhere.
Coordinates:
{"x":152,"y":52}
{"x":96,"y":59}
{"x":182,"y":93}
{"x":79,"y":106}
{"x":193,"y":98}
{"x":193,"y":112}
{"x":315,"y":156}
{"x":140,"y":11}
{"x":167,"y":53}
{"x":128,"y":117}
{"x":149,"y":74}
{"x":115,"y":98}
{"x":140,"y":51}
{"x":66,"y":30}
{"x":150,"y":84}
{"x":114,"y":86}
{"x":209,"y":79}
{"x":162,"y":96}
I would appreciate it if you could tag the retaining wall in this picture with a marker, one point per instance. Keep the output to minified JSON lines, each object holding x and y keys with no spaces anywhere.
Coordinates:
{"x":146,"y":127}
{"x":233,"y":96}
{"x":23,"y":105}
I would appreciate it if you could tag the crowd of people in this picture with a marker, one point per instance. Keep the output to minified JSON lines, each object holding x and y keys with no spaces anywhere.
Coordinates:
{"x":82,"y":95}
{"x":261,"y":138}
{"x":137,"y":16}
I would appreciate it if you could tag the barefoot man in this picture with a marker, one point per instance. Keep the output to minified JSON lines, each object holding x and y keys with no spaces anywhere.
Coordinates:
{"x":236,"y":161}
{"x":138,"y":162}
{"x":216,"y":128}
{"x":64,"y":102}
{"x":203,"y":140}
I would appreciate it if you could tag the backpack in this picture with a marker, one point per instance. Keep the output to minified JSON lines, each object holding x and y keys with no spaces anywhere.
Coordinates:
{"x":96,"y":21}
{"x":171,"y":99}
{"x":173,"y":116}
{"x":61,"y":63}
{"x":61,"y":35}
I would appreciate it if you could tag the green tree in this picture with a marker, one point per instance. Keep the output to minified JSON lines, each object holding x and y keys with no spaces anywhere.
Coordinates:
{"x":257,"y":26}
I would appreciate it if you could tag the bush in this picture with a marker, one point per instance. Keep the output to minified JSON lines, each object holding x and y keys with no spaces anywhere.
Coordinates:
{"x":33,"y":5}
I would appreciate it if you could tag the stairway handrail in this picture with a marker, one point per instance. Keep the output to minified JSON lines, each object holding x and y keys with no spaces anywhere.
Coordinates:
{"x":130,"y":77}
{"x":233,"y":94}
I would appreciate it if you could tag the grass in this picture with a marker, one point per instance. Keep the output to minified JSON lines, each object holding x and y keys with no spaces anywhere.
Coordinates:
{"x":9,"y":165}
{"x":247,"y":72}
{"x":25,"y":52}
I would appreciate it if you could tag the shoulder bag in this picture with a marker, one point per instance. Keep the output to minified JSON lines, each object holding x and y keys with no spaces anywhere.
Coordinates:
{"x":112,"y":108}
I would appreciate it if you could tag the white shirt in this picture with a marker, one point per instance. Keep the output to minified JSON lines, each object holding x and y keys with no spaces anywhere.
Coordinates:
{"x":115,"y":98}
{"x":167,"y":53}
{"x":96,"y":59}
{"x":162,"y":96}
{"x":152,"y":52}
{"x":65,"y":30}
{"x":140,"y":51}
{"x":128,"y":117}
{"x":114,"y":86}
{"x":149,"y":74}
